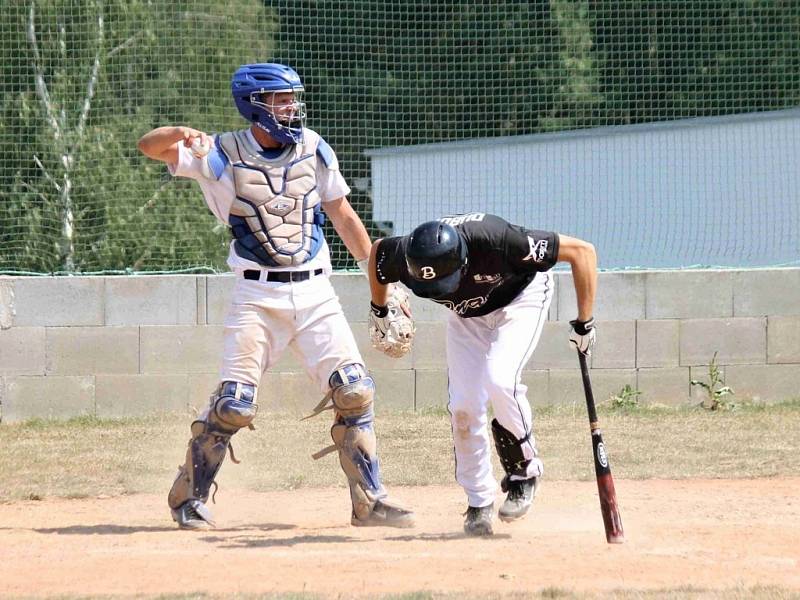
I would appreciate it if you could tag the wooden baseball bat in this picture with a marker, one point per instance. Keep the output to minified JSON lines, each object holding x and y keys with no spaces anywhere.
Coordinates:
{"x":605,"y":482}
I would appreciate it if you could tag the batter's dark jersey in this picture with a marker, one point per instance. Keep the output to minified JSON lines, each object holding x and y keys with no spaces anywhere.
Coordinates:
{"x":503,"y":260}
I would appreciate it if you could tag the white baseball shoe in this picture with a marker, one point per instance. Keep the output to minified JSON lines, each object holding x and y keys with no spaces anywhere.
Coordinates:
{"x":478,"y":522}
{"x":521,"y":493}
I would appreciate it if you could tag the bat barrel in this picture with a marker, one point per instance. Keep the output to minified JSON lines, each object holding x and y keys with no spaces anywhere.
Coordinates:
{"x":612,"y":521}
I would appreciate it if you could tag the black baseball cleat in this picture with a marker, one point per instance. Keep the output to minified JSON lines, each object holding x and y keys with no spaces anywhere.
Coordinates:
{"x":521,"y":493}
{"x":479,"y":520}
{"x":385,"y":514}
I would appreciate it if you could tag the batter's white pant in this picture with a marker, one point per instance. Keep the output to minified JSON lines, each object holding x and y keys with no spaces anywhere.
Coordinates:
{"x":485,"y":357}
{"x":265,"y":318}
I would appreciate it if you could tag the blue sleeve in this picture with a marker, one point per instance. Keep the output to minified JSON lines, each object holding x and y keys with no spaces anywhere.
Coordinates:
{"x":217,"y":160}
{"x":326,"y":153}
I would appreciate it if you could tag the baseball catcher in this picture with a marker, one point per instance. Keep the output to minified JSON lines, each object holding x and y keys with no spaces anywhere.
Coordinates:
{"x":274,"y":183}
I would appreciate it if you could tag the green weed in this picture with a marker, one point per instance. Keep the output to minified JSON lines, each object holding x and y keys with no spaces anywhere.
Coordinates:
{"x":716,"y":390}
{"x":627,"y":397}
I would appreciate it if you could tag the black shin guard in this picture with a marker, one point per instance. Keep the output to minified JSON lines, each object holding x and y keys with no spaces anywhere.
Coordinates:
{"x":509,"y":450}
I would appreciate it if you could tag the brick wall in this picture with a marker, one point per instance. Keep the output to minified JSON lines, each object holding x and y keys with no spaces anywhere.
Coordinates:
{"x":114,"y":346}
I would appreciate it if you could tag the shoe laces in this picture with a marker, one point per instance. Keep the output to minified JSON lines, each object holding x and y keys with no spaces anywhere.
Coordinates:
{"x":474,"y":512}
{"x":191,"y":513}
{"x":516,"y":489}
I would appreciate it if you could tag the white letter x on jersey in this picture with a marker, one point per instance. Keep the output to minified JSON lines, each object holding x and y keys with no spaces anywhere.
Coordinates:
{"x":536,"y":249}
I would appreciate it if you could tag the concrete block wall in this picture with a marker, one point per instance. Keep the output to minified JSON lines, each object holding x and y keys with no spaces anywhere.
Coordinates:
{"x":118,"y":346}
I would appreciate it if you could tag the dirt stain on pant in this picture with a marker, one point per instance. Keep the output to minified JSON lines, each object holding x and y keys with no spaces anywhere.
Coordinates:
{"x":461,"y":423}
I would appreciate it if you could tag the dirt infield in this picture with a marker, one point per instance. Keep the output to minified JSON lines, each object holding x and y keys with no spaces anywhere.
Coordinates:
{"x":715,"y":534}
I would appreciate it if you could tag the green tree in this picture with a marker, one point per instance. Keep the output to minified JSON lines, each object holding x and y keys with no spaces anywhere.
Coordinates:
{"x":83,"y":80}
{"x":673,"y":59}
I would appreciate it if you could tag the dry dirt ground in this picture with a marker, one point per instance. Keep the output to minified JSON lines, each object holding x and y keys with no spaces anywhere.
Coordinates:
{"x":715,"y":534}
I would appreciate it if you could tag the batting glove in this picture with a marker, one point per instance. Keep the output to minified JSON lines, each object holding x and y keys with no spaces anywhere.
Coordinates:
{"x":582,"y":336}
{"x":391,"y":330}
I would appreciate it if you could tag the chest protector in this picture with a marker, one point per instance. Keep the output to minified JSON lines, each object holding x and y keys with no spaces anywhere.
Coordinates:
{"x":276,"y":218}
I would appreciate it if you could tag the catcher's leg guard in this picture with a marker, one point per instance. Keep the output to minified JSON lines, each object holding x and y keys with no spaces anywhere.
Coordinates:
{"x":232,"y":407}
{"x":521,"y":490}
{"x":352,"y":392}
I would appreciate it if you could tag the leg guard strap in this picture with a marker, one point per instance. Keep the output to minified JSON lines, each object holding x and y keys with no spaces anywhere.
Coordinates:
{"x":351,"y":393}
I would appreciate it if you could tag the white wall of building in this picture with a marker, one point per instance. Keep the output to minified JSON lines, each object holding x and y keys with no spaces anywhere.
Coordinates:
{"x":722,"y":191}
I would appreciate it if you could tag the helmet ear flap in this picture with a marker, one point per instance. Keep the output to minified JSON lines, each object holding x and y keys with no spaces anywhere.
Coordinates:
{"x":462,"y":250}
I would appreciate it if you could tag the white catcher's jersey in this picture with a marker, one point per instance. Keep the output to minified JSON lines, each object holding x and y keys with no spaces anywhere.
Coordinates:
{"x":220,"y":196}
{"x":265,"y":318}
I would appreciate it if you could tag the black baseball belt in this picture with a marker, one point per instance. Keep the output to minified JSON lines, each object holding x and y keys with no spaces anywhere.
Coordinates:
{"x":282,"y":276}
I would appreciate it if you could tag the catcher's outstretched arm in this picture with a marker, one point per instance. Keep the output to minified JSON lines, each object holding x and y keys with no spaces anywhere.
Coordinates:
{"x":349,"y":226}
{"x":162,"y":143}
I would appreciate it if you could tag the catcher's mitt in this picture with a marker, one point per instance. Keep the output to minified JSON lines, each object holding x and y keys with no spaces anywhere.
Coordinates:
{"x":391,"y":328}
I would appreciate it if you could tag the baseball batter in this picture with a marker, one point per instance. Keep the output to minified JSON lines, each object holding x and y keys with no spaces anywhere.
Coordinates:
{"x":494,"y":278}
{"x":271,"y":183}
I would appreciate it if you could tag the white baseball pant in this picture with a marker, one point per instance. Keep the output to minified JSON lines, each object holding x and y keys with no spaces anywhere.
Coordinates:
{"x":265,"y":318}
{"x":485,"y":358}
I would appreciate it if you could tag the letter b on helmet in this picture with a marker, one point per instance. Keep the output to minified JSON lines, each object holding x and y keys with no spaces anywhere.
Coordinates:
{"x":436,"y":256}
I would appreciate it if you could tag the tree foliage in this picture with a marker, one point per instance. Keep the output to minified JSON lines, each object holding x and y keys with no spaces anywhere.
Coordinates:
{"x":82,"y":80}
{"x":672,"y":59}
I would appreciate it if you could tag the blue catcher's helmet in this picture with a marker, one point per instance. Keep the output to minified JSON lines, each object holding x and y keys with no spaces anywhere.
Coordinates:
{"x":254,"y":88}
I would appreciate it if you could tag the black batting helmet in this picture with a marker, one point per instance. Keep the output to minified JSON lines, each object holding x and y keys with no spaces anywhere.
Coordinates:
{"x":436,"y":257}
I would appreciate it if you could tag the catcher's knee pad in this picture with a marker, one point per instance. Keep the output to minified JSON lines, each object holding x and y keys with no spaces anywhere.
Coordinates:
{"x":509,"y":450}
{"x":232,"y":407}
{"x":352,"y":394}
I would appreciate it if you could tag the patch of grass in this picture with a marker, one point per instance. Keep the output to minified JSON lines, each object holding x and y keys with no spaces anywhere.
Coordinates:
{"x":555,"y":592}
{"x":295,"y":482}
{"x":74,"y":423}
{"x":91,"y":457}
{"x":549,"y":593}
{"x":681,"y":593}
{"x":435,"y":411}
